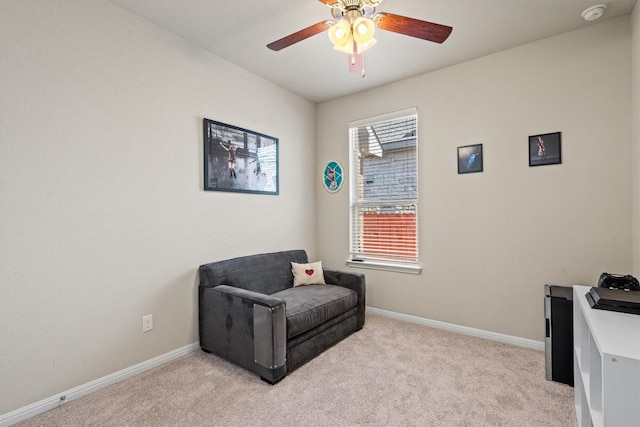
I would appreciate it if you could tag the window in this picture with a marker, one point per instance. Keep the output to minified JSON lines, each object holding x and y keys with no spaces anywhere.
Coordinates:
{"x":384,"y":192}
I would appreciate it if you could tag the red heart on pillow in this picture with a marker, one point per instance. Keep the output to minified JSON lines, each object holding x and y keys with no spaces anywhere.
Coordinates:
{"x":309,"y":272}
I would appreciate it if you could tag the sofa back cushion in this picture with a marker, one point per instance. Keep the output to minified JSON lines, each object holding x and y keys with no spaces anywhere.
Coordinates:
{"x":265,"y":273}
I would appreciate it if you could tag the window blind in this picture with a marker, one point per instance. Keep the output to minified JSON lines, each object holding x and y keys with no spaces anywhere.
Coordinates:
{"x":384,"y":188}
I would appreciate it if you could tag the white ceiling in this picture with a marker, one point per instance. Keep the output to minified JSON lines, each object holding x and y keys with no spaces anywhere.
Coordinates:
{"x":239,"y":31}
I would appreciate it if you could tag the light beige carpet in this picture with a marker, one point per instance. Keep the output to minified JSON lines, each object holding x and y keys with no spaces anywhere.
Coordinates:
{"x":391,"y":373}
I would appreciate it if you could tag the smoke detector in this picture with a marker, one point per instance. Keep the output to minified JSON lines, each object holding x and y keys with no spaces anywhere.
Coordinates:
{"x":594,"y":12}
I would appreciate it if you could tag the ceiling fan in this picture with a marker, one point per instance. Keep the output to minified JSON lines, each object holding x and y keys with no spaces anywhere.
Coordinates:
{"x":354,"y":25}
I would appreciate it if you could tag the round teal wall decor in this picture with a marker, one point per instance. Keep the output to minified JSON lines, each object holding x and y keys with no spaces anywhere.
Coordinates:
{"x":332,"y":176}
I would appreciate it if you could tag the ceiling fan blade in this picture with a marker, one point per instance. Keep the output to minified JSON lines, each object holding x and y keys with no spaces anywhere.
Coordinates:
{"x":329,"y":2}
{"x":299,"y":35}
{"x":413,"y":27}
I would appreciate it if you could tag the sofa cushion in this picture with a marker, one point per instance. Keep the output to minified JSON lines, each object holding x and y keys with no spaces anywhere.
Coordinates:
{"x":307,"y":274}
{"x":264,"y":273}
{"x":312,"y":305}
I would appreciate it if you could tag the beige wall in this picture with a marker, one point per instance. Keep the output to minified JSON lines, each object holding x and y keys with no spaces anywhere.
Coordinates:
{"x":490,"y":241}
{"x":635,"y":121}
{"x":103,"y":218}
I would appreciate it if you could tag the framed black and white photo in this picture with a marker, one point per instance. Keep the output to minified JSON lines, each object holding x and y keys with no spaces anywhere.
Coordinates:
{"x":545,"y":149}
{"x":239,"y":160}
{"x":470,"y":158}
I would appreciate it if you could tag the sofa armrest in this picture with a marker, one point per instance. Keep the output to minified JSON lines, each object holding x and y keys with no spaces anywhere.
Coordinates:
{"x":249,"y":296}
{"x":353,"y":281}
{"x":245,"y":327}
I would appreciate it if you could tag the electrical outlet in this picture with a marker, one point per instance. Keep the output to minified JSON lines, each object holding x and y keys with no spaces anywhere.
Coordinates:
{"x":147,"y":323}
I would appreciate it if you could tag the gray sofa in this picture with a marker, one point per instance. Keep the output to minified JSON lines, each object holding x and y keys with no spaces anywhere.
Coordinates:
{"x":251,"y":314}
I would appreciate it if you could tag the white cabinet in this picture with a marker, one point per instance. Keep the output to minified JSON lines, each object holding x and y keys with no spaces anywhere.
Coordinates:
{"x":606,"y":365}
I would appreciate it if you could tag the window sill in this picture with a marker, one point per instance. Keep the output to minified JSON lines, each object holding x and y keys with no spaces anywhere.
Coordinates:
{"x":385,"y":266}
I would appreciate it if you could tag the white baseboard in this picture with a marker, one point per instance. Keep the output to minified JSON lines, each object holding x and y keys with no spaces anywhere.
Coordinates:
{"x":52,"y":402}
{"x":495,"y":336}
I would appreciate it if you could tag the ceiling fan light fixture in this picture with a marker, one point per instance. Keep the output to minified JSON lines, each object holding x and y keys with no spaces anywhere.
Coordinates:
{"x":340,"y":34}
{"x":354,"y":47}
{"x":348,"y":48}
{"x":363,"y":29}
{"x":361,"y":47}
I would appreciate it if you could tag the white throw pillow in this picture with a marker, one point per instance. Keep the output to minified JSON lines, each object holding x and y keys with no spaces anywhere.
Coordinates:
{"x":307,"y":274}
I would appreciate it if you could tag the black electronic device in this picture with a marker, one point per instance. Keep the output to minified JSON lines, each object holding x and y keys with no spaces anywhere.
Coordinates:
{"x":558,"y":342}
{"x":614,"y":300}
{"x":618,"y":281}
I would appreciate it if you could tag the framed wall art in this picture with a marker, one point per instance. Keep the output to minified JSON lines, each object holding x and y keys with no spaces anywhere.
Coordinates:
{"x":239,"y":160}
{"x":332,"y":176}
{"x":470,"y":159}
{"x":545,"y":149}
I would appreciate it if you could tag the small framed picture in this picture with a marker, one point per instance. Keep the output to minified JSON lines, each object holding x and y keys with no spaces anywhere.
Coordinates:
{"x":470,"y":158}
{"x":545,"y":149}
{"x":332,"y":176}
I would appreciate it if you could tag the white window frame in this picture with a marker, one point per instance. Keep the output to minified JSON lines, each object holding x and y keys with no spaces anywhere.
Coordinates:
{"x":412,"y":267}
